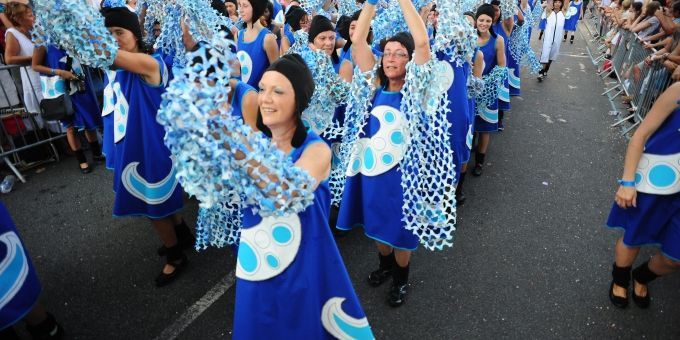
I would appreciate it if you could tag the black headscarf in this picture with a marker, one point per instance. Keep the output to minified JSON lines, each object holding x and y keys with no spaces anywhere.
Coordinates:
{"x":293,"y":67}
{"x":124,"y":18}
{"x":293,"y":17}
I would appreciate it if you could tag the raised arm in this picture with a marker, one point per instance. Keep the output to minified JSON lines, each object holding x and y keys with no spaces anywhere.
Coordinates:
{"x":361,"y":51}
{"x":271,"y":47}
{"x":421,"y":55}
{"x":500,"y":51}
{"x":140,"y":63}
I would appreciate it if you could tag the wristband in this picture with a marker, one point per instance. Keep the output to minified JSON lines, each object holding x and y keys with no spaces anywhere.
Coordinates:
{"x":372,"y":2}
{"x":626,"y":183}
{"x":53,"y":71}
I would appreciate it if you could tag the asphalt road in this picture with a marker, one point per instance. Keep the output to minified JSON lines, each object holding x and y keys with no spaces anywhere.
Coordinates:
{"x":531,"y":257}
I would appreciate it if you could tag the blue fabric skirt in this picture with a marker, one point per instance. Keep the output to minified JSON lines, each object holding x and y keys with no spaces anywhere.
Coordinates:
{"x":655,"y":221}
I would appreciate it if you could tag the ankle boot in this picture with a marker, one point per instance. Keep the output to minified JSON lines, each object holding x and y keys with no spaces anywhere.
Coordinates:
{"x":384,"y":271}
{"x":80,"y":157}
{"x":48,"y":329}
{"x":620,"y":277}
{"x":96,"y":150}
{"x":399,"y":289}
{"x":642,"y":275}
{"x":460,"y":196}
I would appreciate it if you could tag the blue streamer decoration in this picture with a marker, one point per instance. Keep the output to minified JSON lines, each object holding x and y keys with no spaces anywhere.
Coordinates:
{"x":217,"y":157}
{"x":456,"y":38}
{"x":79,"y":30}
{"x":492,"y":82}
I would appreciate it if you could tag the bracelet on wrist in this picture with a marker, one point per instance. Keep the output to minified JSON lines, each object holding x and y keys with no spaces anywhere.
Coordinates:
{"x":625,"y":183}
{"x":53,"y":71}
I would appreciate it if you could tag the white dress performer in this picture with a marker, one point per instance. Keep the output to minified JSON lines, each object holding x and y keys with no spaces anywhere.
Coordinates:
{"x":552,"y":40}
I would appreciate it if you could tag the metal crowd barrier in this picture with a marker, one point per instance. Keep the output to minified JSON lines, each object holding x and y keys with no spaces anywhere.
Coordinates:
{"x":639,"y":79}
{"x":21,"y":130}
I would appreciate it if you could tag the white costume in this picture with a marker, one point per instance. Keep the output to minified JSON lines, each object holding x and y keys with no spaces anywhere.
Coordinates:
{"x":554,"y":30}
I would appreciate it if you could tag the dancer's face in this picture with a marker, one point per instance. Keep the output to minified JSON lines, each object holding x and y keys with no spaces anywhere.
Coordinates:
{"x":325,"y":41}
{"x":231,"y":8}
{"x":484,"y":23}
{"x":496,"y":12}
{"x":276,"y":100}
{"x":394,"y":60}
{"x":245,"y":10}
{"x":557,"y":5}
{"x":352,"y":28}
{"x":126,"y":39}
{"x":305,"y":23}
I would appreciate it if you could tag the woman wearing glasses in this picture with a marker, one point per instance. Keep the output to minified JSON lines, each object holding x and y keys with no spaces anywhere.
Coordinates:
{"x":373,"y":196}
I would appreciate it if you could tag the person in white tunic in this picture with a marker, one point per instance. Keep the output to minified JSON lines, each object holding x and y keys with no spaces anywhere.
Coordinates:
{"x":19,"y":51}
{"x":554,"y":29}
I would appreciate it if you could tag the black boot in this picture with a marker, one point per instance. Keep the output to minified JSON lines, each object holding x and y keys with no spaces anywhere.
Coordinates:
{"x":399,"y":289}
{"x":185,"y":239}
{"x":540,"y":35}
{"x":384,"y":271}
{"x":460,"y":196}
{"x":176,"y":258}
{"x":620,"y":277}
{"x":48,"y":329}
{"x":96,"y":151}
{"x":642,"y":275}
{"x":479,"y":164}
{"x":571,"y":41}
{"x":9,"y":334}
{"x":565,"y":37}
{"x":80,"y":157}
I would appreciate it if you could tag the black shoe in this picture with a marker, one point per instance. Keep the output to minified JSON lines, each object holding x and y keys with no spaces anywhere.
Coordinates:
{"x":399,"y":288}
{"x":571,"y":41}
{"x":86,"y":170}
{"x":501,"y":127}
{"x":397,"y":295}
{"x":185,"y":239}
{"x":477,"y":170}
{"x":384,"y":271}
{"x":460,"y":198}
{"x":621,"y":278}
{"x":540,"y":77}
{"x":642,"y":275}
{"x":618,"y":301}
{"x":48,"y":329}
{"x":178,"y":264}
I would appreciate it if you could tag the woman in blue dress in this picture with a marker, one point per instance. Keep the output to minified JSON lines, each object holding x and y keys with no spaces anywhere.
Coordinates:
{"x":56,"y":70}
{"x":322,"y":37}
{"x":493,"y":48}
{"x":257,"y":46}
{"x":296,"y":19}
{"x":571,"y":19}
{"x":647,"y":206}
{"x":373,"y":195}
{"x":294,"y":285}
{"x":144,"y":175}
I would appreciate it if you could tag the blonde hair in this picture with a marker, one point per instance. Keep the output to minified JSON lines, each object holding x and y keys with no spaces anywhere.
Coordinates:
{"x":15,"y":11}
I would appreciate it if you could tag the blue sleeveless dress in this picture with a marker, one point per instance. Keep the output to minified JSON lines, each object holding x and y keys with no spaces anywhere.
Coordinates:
{"x":458,"y":114}
{"x":573,"y":16}
{"x":144,"y":176}
{"x":240,"y":91}
{"x":252,"y":57}
{"x":291,"y":281}
{"x":511,"y":63}
{"x":19,"y":284}
{"x":656,"y":219}
{"x":373,"y":196}
{"x":487,"y":121}
{"x":87,"y":112}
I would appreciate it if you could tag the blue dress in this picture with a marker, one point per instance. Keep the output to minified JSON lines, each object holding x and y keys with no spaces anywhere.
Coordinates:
{"x":458,"y":114}
{"x":656,"y":219}
{"x":573,"y":16}
{"x":291,"y":280}
{"x":511,"y":63}
{"x":487,"y":120}
{"x":87,"y":112}
{"x":373,"y":196}
{"x":253,"y":58}
{"x":288,"y":33}
{"x":144,"y":177}
{"x":19,"y":284}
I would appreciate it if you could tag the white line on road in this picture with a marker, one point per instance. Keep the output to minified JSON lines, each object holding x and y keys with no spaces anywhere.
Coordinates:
{"x":200,"y":306}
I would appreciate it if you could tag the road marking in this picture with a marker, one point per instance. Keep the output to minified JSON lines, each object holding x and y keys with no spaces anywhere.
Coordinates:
{"x":547,"y":118}
{"x":200,"y":306}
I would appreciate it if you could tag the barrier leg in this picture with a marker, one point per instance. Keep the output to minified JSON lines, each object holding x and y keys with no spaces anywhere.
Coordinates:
{"x":14,"y":170}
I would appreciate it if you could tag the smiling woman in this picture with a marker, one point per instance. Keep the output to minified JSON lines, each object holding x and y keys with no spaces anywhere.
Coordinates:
{"x":322,"y":37}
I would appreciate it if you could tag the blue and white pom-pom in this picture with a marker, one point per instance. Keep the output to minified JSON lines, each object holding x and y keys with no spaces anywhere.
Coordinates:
{"x":492,"y":82}
{"x":79,"y":29}
{"x":508,"y":8}
{"x":456,"y":38}
{"x":216,"y":154}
